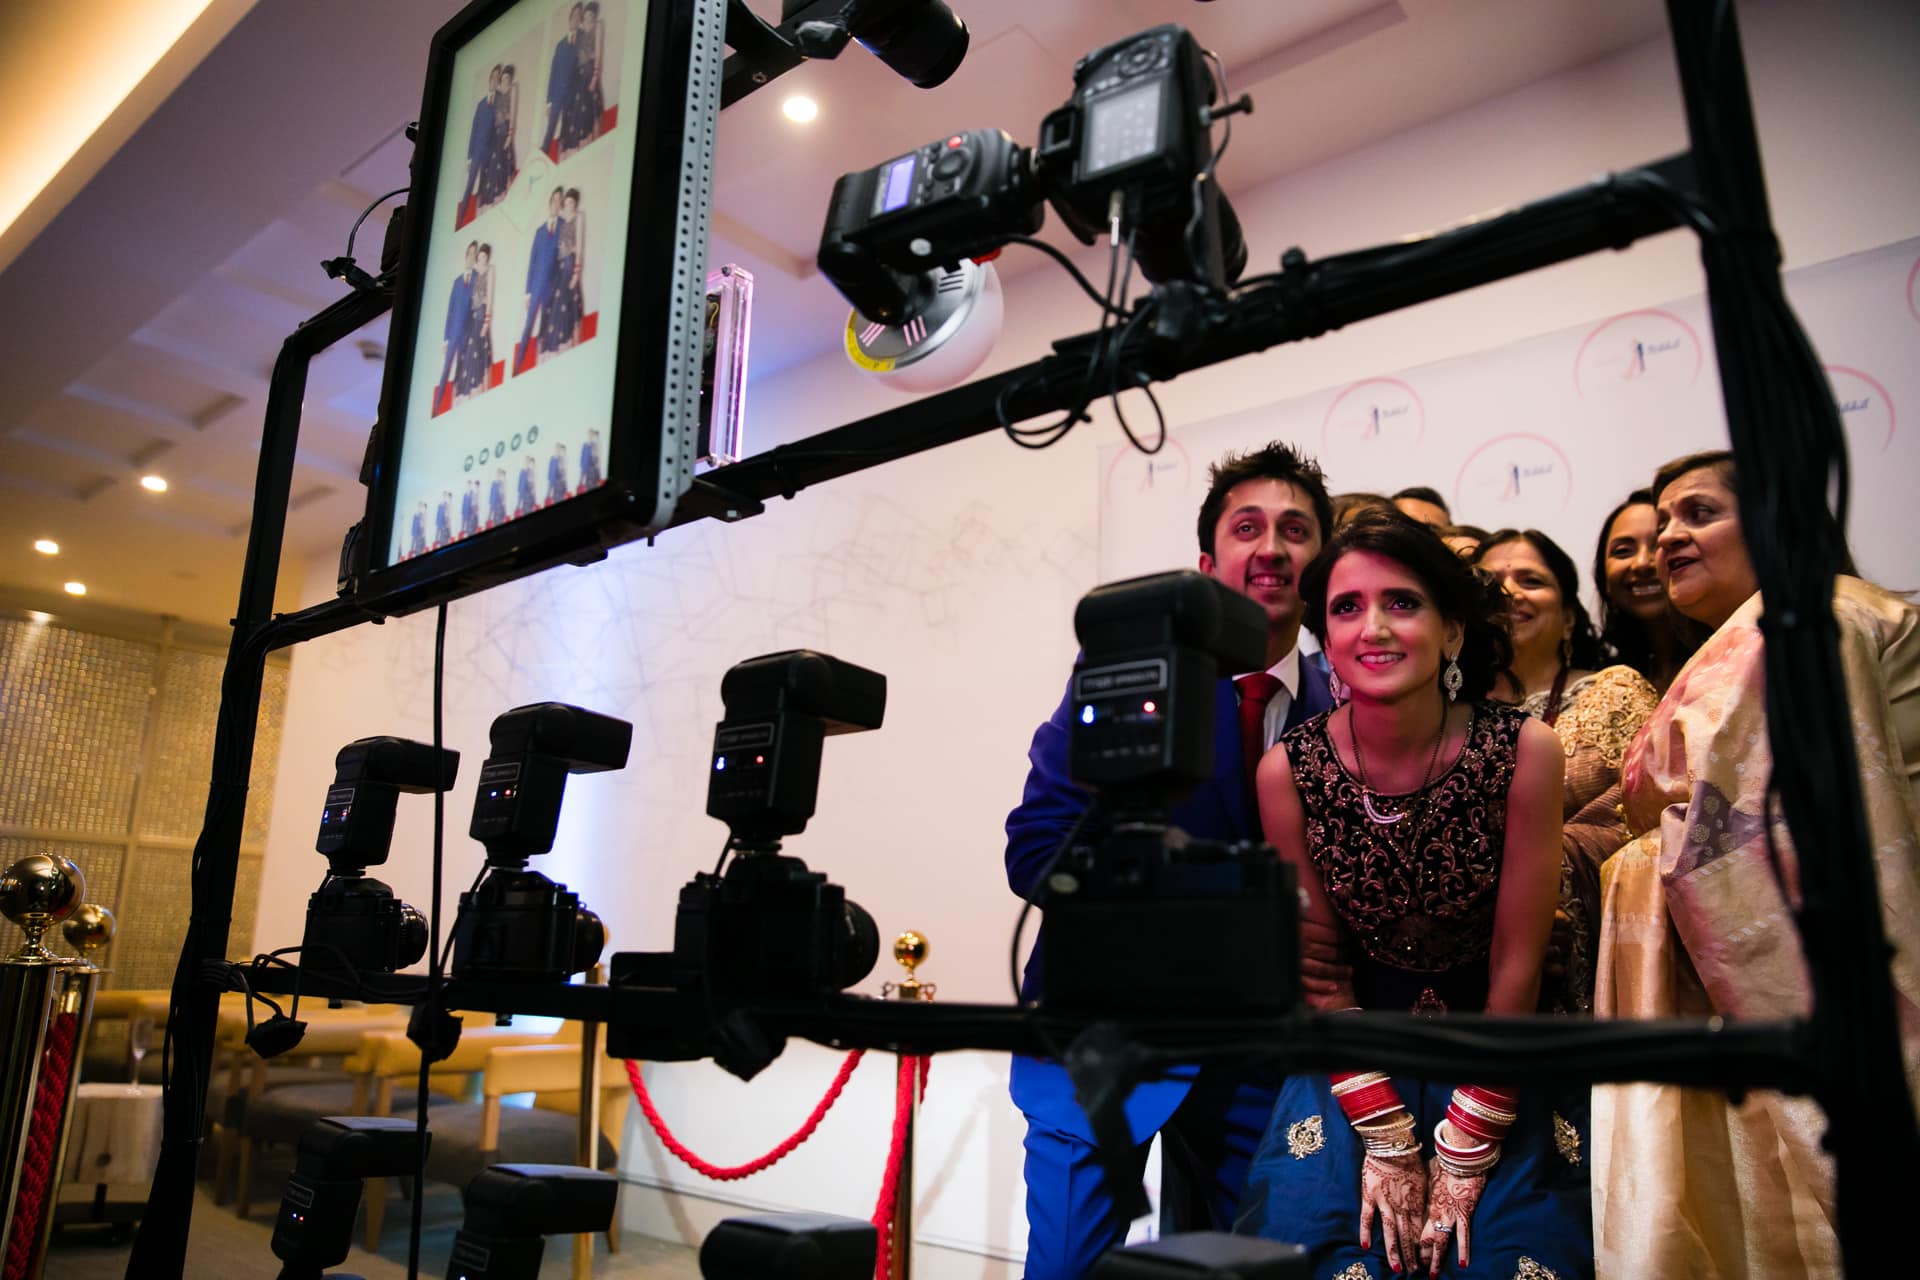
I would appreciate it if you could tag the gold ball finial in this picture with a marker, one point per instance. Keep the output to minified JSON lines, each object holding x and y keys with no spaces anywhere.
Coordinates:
{"x":89,"y":928}
{"x":910,"y":950}
{"x":38,"y":892}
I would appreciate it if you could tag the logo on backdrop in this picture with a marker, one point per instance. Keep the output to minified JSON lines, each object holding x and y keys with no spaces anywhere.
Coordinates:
{"x":1866,"y":410}
{"x":1519,"y":476}
{"x":1374,"y":411}
{"x":1165,"y":473}
{"x":1638,"y":351}
{"x":1913,"y":290}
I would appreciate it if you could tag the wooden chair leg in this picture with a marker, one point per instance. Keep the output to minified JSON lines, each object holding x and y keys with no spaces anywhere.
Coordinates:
{"x":376,"y":1197}
{"x":224,"y":1141}
{"x":243,"y":1178}
{"x":582,"y":1258}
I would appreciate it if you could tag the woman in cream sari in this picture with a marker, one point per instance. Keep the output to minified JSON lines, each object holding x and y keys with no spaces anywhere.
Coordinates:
{"x":1696,"y":922}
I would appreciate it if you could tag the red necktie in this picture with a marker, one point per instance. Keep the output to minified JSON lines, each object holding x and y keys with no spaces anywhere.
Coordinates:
{"x":1256,"y":691}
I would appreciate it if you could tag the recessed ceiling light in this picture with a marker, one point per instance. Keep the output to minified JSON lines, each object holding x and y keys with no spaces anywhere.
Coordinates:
{"x":35,"y":616}
{"x":76,"y":588}
{"x":154,"y":484}
{"x":46,"y":546}
{"x":800,"y":108}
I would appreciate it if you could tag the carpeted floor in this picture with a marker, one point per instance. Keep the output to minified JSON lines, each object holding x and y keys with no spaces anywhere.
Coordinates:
{"x":221,"y":1245}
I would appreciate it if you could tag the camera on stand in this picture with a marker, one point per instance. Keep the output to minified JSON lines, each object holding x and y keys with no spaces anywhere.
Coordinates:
{"x":1144,"y":917}
{"x":768,"y":928}
{"x":516,"y":925}
{"x":315,"y":1226}
{"x":354,"y":923}
{"x":1131,"y":153}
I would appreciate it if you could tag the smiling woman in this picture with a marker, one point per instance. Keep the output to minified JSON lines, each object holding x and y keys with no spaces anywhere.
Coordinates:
{"x":1692,"y":909}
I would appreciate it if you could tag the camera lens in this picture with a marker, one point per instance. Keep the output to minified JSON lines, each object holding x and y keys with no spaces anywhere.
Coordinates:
{"x":411,"y":942}
{"x":859,"y":948}
{"x":589,"y":939}
{"x":922,"y":40}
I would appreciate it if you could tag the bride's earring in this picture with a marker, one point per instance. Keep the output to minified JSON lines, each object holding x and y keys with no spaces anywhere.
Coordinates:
{"x":1452,"y":679}
{"x":1335,"y":685}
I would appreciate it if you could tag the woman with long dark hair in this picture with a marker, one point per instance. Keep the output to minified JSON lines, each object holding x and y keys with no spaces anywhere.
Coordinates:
{"x":1594,"y":709}
{"x":1424,"y":822}
{"x":1637,"y":625}
{"x":476,"y":355}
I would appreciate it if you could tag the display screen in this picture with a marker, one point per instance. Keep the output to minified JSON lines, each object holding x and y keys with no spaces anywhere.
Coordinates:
{"x":896,"y":185}
{"x":510,"y":393}
{"x":1122,"y":127}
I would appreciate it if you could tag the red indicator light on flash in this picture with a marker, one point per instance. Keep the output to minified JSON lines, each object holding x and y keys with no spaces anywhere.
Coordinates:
{"x":759,"y":759}
{"x":1149,"y":707}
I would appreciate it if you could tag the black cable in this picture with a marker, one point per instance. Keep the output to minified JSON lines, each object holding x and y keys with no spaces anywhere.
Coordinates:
{"x":1053,"y":432}
{"x":1079,"y":277}
{"x":1029,"y":899}
{"x":726,"y":847}
{"x":365,"y":213}
{"x":433,"y":941}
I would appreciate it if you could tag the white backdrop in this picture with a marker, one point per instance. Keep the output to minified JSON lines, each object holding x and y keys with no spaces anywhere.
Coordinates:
{"x":1551,"y":432}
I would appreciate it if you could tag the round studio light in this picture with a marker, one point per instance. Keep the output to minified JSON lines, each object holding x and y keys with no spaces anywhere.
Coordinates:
{"x":800,"y":108}
{"x":46,"y":546}
{"x":76,"y":588}
{"x":154,"y":484}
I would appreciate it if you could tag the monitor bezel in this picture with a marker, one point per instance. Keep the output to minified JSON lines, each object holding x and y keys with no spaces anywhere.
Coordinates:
{"x":653,"y":421}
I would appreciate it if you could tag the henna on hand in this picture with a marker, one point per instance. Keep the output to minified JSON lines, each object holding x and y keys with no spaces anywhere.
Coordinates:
{"x":1395,"y":1187}
{"x":1451,"y":1200}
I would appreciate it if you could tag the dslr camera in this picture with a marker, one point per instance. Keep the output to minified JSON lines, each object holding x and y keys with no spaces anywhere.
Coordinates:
{"x":767,"y":928}
{"x":1141,"y":916}
{"x":354,"y":923}
{"x":516,"y":925}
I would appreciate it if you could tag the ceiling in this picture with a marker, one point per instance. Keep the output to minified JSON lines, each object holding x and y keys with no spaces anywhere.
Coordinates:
{"x":145,"y":317}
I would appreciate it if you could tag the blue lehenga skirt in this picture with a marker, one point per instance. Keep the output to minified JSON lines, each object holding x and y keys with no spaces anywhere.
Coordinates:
{"x":1535,"y":1219}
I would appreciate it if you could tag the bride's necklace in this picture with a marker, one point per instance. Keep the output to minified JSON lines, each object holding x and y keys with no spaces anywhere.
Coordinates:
{"x":1374,"y":813}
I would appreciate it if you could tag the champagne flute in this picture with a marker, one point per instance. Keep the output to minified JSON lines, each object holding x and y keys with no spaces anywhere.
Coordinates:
{"x":139,"y":1039}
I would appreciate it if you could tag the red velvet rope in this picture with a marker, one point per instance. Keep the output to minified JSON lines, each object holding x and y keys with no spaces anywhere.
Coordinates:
{"x":751,"y":1167}
{"x":903,"y":1100}
{"x":33,"y":1199}
{"x":896,"y":1150}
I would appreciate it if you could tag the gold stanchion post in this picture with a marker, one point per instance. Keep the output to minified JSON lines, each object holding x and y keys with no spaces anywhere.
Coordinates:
{"x":910,"y":950}
{"x":36,"y":893}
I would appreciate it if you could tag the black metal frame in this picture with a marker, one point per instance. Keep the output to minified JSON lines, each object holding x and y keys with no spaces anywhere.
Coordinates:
{"x":1846,"y":1053}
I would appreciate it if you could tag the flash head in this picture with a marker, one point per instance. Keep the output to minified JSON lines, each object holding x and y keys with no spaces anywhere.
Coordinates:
{"x":765,"y":770}
{"x":1152,"y":652}
{"x":315,"y":1226}
{"x":511,"y":1207}
{"x":535,"y":747}
{"x":356,"y":826}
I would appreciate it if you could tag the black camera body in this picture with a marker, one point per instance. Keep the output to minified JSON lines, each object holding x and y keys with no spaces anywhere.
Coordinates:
{"x":770,"y":928}
{"x":519,"y":926}
{"x":1141,"y":916}
{"x":1129,"y":146}
{"x":516,"y":925}
{"x":354,"y":923}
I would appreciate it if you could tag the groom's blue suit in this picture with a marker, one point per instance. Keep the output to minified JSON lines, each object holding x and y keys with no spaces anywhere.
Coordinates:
{"x":1211,"y":1121}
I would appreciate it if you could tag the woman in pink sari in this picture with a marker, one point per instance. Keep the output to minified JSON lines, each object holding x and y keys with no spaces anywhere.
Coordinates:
{"x":1697,"y":921}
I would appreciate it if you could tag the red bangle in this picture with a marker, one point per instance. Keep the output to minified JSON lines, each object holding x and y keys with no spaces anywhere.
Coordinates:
{"x":1366,"y":1096}
{"x":1480,"y":1113}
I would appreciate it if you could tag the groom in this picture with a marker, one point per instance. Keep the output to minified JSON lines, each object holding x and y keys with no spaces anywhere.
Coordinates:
{"x":1265,"y":516}
{"x":540,"y":265}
